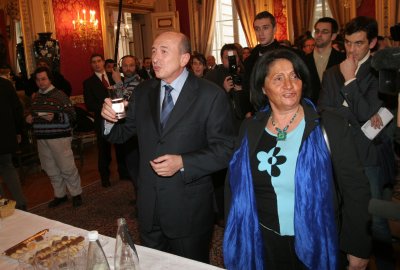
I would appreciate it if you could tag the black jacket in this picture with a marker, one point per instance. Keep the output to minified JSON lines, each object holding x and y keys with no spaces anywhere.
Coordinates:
{"x":335,"y":58}
{"x":352,"y":192}
{"x":200,"y":130}
{"x":11,"y":117}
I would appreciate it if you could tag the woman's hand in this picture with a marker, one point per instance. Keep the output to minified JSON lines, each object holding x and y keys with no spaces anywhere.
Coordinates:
{"x":356,"y":263}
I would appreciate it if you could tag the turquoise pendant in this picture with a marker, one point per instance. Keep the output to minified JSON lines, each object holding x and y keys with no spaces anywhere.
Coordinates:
{"x":281,"y":136}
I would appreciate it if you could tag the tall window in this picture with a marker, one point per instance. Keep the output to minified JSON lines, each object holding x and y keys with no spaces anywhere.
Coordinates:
{"x":227,"y":27}
{"x":321,"y":9}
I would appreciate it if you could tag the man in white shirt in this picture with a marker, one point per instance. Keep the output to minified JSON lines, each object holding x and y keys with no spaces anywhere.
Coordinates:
{"x":95,"y":90}
{"x":323,"y":55}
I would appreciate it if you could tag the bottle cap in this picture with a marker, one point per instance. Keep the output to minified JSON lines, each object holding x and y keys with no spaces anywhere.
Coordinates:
{"x":93,"y":235}
{"x":121,"y":221}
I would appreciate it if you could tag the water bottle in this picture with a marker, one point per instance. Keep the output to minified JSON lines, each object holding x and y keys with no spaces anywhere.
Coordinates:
{"x":126,"y":256}
{"x":96,"y":259}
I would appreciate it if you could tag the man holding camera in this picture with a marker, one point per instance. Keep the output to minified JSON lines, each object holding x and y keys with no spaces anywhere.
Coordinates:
{"x":229,"y":76}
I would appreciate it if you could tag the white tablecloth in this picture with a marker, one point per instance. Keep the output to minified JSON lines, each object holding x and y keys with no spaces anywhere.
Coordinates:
{"x":22,"y":225}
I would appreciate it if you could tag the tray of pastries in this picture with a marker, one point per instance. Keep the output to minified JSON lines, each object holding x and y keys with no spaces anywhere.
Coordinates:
{"x":47,"y":248}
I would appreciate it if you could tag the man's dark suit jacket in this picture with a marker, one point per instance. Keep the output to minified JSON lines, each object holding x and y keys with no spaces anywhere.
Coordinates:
{"x":145,"y":75}
{"x":200,"y":130}
{"x":11,"y":116}
{"x":363,"y":102}
{"x":335,"y":58}
{"x":94,"y":94}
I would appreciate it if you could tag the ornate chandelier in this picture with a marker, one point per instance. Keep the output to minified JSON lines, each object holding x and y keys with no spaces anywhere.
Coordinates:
{"x":86,"y":34}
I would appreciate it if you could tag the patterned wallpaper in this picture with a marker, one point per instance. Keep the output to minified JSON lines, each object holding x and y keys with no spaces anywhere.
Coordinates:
{"x":280,"y":13}
{"x":75,"y":64}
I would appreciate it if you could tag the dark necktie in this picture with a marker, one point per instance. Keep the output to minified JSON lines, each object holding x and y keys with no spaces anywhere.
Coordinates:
{"x":167,"y":106}
{"x":104,"y":81}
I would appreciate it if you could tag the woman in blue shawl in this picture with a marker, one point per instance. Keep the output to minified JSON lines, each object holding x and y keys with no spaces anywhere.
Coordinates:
{"x":297,"y":197}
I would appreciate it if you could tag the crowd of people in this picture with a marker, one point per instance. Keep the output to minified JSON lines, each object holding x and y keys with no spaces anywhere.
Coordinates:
{"x":269,"y":144}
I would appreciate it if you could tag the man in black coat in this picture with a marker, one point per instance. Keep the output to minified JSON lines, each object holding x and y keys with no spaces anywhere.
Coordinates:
{"x":351,"y":89}
{"x":146,"y":72}
{"x":323,"y":56}
{"x":185,"y":132}
{"x":95,"y":91}
{"x":265,"y":28}
{"x":11,"y":117}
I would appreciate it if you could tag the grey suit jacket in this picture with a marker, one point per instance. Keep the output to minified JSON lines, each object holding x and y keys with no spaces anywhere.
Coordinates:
{"x":200,"y":129}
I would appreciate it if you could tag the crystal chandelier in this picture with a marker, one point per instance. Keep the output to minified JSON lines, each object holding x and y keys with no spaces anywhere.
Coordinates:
{"x":86,"y":33}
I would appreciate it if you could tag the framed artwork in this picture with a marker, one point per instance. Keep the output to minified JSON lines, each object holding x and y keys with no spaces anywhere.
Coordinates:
{"x":164,"y":21}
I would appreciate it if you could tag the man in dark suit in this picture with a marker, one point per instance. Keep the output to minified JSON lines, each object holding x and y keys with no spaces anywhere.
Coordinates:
{"x":264,"y":26}
{"x":146,"y":72}
{"x":323,"y":56}
{"x":185,"y":132}
{"x":351,"y":90}
{"x":95,"y":91}
{"x":11,"y":116}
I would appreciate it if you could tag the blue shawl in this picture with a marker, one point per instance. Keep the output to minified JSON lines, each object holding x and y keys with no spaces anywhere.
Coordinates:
{"x":316,"y":239}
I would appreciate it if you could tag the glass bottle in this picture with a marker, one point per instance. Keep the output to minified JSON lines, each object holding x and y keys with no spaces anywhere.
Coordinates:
{"x":126,"y":256}
{"x":96,"y":259}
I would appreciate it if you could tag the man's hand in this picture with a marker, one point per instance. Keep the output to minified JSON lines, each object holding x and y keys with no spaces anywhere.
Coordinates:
{"x":228,"y":84}
{"x":237,"y":87}
{"x":376,"y":121}
{"x":49,"y":117}
{"x":348,"y":68}
{"x":167,"y":165}
{"x":107,"y":111}
{"x":19,"y":138}
{"x":356,"y":263}
{"x":116,"y":75}
{"x":29,"y":119}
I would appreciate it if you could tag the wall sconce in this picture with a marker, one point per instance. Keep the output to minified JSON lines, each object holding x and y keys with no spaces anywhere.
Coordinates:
{"x":86,"y":33}
{"x":346,"y":3}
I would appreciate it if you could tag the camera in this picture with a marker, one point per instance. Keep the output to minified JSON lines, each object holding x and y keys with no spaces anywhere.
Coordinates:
{"x":387,"y":62}
{"x":233,"y":68}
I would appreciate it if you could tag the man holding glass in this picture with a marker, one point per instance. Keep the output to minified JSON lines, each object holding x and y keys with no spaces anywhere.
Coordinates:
{"x":185,"y":132}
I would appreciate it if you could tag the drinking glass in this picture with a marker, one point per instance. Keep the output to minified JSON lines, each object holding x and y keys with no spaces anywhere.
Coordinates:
{"x":117,"y":100}
{"x":80,"y":259}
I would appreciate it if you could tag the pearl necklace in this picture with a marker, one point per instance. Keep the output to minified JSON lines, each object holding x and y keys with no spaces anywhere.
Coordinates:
{"x":282,"y":133}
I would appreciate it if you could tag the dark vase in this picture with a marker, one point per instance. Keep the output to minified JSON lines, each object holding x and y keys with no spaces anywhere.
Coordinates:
{"x":49,"y":48}
{"x":21,"y":58}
